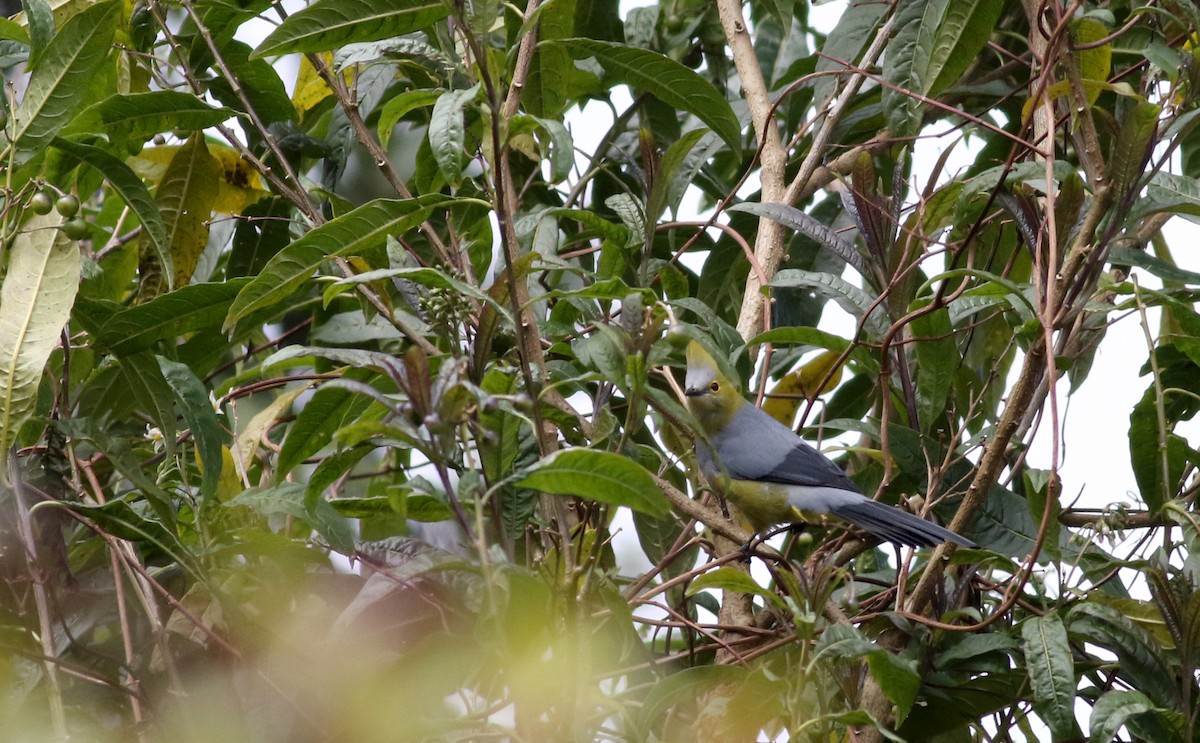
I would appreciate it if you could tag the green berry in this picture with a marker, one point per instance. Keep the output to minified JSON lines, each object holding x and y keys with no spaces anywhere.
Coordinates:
{"x":67,"y":205}
{"x":76,"y":229}
{"x":41,"y":203}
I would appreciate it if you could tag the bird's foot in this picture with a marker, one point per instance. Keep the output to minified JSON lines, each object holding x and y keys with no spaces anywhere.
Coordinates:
{"x":749,"y":549}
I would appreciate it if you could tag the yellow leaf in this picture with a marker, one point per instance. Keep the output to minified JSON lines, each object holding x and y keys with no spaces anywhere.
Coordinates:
{"x":310,"y":87}
{"x":246,"y":445}
{"x":784,"y":400}
{"x":1091,"y":88}
{"x":1095,"y":63}
{"x":229,"y":484}
{"x":240,"y":184}
{"x":185,"y":196}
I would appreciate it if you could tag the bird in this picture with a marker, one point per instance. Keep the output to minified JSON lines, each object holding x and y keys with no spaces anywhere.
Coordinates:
{"x":775,"y":477}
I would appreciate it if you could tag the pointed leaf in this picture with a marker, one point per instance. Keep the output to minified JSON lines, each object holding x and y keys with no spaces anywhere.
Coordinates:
{"x":329,"y":409}
{"x":1142,"y":662}
{"x":185,"y":197}
{"x":185,"y":310}
{"x":328,"y":24}
{"x":731,"y":579}
{"x":597,"y":475}
{"x":849,"y":297}
{"x":362,"y":229}
{"x":35,"y":303}
{"x":151,"y":392}
{"x":447,"y":132}
{"x":396,"y":108}
{"x":936,"y":42}
{"x":1051,"y":672}
{"x":41,"y":28}
{"x":790,"y":216}
{"x":202,"y":421}
{"x":61,"y":81}
{"x":666,"y":79}
{"x":937,"y":360}
{"x":846,"y":43}
{"x":668,"y":169}
{"x":1131,"y":151}
{"x":137,"y":117}
{"x":288,"y":500}
{"x":126,"y":183}
{"x":1111,"y":711}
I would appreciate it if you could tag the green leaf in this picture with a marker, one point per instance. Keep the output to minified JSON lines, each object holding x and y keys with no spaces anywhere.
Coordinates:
{"x":1151,"y":448}
{"x":554,"y":81}
{"x":849,"y":297}
{"x":201,"y":419}
{"x":668,"y":170}
{"x":1156,"y":266}
{"x":684,"y":686}
{"x":447,"y":132}
{"x":1004,"y":524}
{"x":364,"y":228}
{"x":1051,"y":672}
{"x":430,"y":277}
{"x":127,"y":184}
{"x":668,"y":80}
{"x":119,"y":518}
{"x":846,"y":43}
{"x":329,"y":470}
{"x":936,"y":42}
{"x":1167,"y":192}
{"x":1039,"y":495}
{"x":35,"y":302}
{"x":288,"y":500}
{"x":1113,"y":709}
{"x":41,"y":29}
{"x":898,"y":679}
{"x":186,"y":195}
{"x":596,"y":475}
{"x":802,"y":336}
{"x":61,"y":82}
{"x":396,"y":108}
{"x":1142,"y":663}
{"x":1131,"y":151}
{"x":259,"y":83}
{"x":729,"y":578}
{"x":329,"y":409}
{"x":937,"y":361}
{"x":328,"y":24}
{"x":261,"y":232}
{"x":807,"y":225}
{"x":10,"y":30}
{"x":147,"y":384}
{"x":136,"y":117}
{"x":1095,"y":62}
{"x":168,"y":316}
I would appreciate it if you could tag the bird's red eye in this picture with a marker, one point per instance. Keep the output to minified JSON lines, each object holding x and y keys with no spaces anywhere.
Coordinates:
{"x":714,"y":387}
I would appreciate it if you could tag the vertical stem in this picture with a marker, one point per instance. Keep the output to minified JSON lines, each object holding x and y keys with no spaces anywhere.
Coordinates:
{"x":769,"y":244}
{"x":40,"y":597}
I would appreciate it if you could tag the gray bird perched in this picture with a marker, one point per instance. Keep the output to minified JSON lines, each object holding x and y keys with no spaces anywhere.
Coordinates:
{"x":773,"y":476}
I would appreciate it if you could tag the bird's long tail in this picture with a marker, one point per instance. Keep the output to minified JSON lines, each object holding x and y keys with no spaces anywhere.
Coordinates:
{"x":894,"y":525}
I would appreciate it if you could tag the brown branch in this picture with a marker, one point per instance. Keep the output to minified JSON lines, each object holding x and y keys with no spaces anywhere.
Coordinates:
{"x":770,"y":242}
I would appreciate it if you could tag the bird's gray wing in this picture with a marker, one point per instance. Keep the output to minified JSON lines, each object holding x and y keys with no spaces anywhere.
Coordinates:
{"x":755,"y":446}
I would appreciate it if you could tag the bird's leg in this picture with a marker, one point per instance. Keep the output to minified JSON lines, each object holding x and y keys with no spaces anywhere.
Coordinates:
{"x":757,"y":539}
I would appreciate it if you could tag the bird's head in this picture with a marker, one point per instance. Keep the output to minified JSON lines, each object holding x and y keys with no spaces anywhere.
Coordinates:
{"x":711,"y":396}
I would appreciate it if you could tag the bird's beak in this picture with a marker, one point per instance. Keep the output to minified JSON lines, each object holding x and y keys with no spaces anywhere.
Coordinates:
{"x":692,"y":392}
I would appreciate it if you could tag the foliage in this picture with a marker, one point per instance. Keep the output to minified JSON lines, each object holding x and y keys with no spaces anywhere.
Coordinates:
{"x":356,"y":291}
